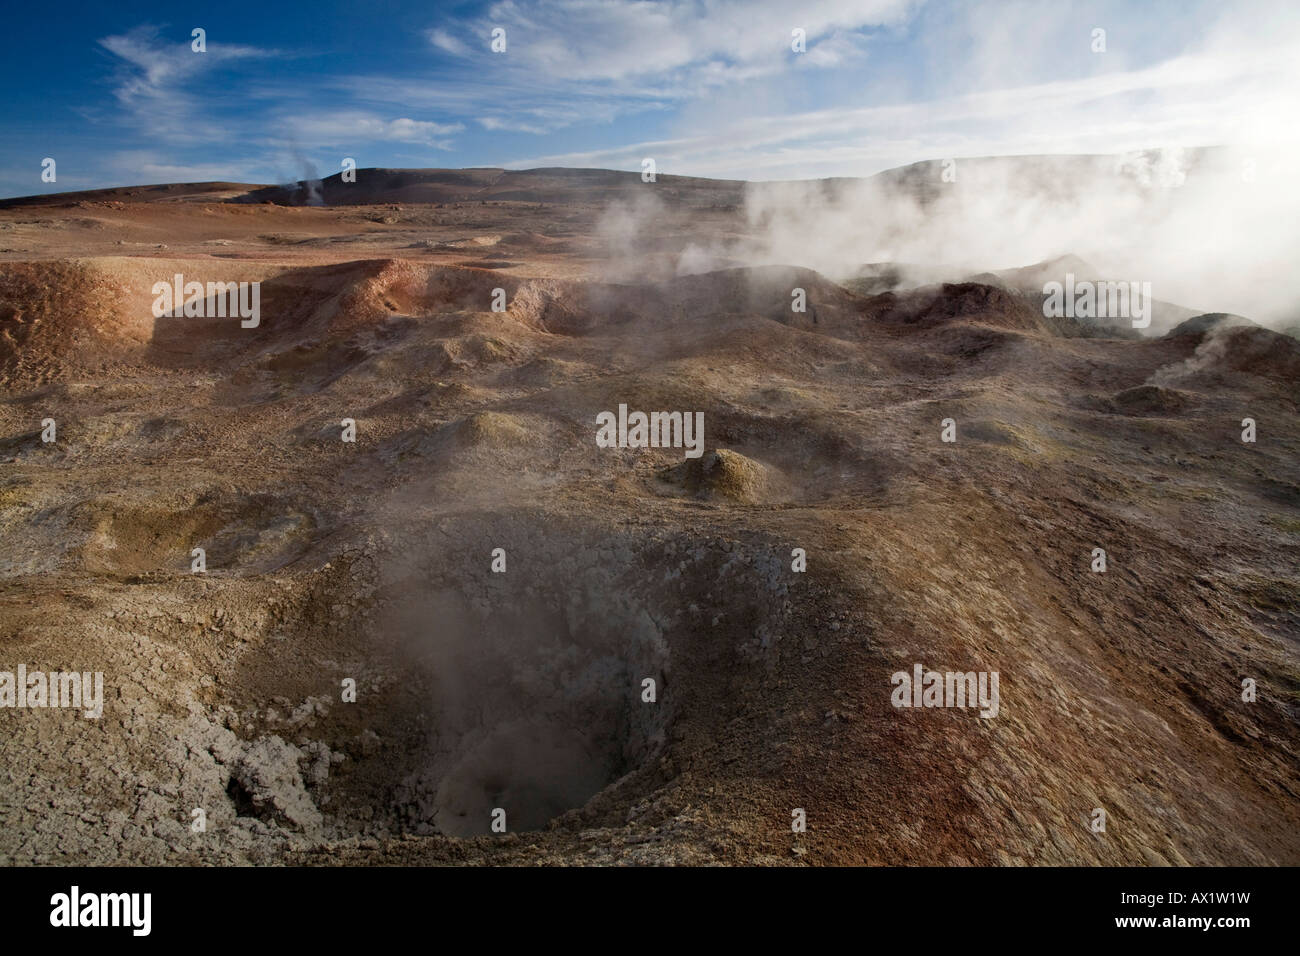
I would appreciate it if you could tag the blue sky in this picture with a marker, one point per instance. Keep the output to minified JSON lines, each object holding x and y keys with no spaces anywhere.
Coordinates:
{"x":115,"y":94}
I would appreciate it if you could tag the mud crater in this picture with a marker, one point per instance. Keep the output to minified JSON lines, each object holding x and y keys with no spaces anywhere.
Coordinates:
{"x":535,"y":705}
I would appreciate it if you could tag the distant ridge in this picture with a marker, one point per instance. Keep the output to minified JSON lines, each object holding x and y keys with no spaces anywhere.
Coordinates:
{"x":555,"y":184}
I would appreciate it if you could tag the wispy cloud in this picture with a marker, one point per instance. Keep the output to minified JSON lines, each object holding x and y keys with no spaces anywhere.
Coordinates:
{"x":144,"y":166}
{"x":352,"y":127}
{"x":580,"y":41}
{"x":1230,"y":92}
{"x":448,"y":43}
{"x":155,"y":78}
{"x":618,"y":58}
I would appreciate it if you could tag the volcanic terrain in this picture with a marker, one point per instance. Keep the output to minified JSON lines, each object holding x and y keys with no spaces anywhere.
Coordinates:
{"x":332,"y":564}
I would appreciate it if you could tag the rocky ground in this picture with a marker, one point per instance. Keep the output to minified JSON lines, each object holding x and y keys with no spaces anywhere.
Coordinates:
{"x":330,"y":561}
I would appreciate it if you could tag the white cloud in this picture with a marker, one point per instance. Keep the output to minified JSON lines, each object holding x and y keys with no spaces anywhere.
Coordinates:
{"x":835,"y":50}
{"x":1243,"y":92}
{"x":585,"y":41}
{"x":347,"y":128}
{"x":497,"y":124}
{"x":153,"y":75}
{"x":141,"y":166}
{"x":447,"y":43}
